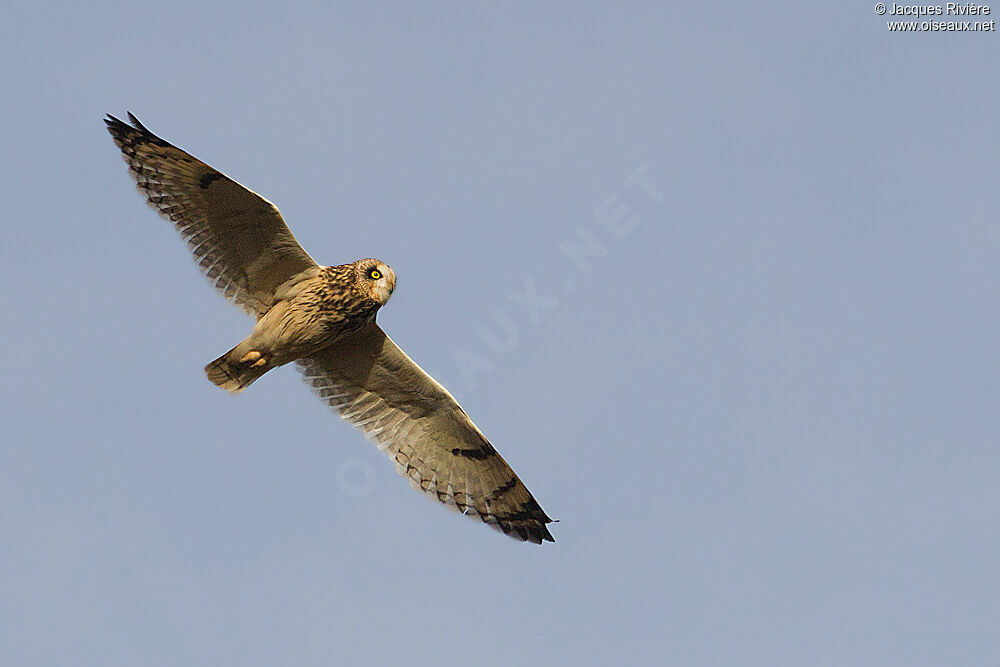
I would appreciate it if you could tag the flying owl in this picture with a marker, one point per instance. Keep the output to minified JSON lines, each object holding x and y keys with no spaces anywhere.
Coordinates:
{"x":323,"y":319}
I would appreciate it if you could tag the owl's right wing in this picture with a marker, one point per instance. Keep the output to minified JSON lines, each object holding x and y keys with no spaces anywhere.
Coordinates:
{"x":373,"y":385}
{"x":238,"y":238}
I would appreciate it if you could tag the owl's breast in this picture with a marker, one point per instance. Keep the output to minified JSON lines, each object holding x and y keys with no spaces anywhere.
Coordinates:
{"x":323,"y":310}
{"x":341,"y":315}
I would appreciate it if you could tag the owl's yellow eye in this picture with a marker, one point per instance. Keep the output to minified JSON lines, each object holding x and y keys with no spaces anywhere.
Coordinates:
{"x":374,"y":274}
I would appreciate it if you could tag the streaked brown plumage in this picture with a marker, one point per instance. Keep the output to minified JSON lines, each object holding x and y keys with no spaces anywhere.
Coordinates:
{"x":323,"y":318}
{"x":311,"y":314}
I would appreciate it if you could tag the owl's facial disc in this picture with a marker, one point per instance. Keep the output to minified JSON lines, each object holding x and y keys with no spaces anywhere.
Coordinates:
{"x":378,"y":279}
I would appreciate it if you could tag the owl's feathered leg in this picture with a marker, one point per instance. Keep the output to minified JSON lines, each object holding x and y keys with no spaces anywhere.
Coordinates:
{"x":239,"y":368}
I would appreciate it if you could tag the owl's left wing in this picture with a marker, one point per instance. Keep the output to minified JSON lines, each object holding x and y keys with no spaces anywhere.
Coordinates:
{"x":238,"y":238}
{"x":373,"y":385}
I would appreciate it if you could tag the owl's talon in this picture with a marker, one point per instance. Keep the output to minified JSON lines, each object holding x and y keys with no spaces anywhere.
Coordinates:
{"x":259,"y":362}
{"x":252,"y":355}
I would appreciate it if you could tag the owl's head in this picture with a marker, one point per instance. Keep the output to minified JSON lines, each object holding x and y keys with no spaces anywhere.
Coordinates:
{"x":374,"y":279}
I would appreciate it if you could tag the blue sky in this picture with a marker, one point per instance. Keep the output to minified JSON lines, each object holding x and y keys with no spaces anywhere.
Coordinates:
{"x":765,"y":414}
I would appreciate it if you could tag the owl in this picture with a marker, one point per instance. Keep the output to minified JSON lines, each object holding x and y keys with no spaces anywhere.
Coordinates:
{"x":322,"y":318}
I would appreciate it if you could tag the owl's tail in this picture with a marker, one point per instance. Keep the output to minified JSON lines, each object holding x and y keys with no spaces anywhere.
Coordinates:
{"x":239,"y":368}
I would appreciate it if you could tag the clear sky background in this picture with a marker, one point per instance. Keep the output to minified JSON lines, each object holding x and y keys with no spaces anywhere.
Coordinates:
{"x":766,"y":416}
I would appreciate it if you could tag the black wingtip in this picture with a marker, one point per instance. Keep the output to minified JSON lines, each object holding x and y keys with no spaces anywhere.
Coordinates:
{"x":117,"y":129}
{"x":534,"y":532}
{"x":136,"y":132}
{"x":112,"y":121}
{"x":135,"y":122}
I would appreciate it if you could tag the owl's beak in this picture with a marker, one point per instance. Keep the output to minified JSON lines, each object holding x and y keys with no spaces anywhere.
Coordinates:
{"x":386,"y":288}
